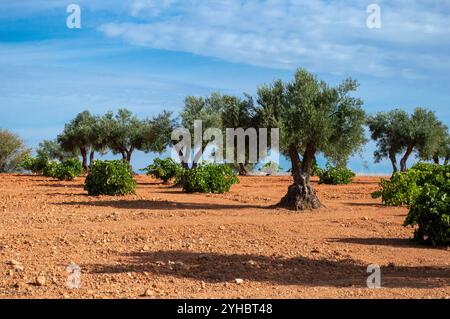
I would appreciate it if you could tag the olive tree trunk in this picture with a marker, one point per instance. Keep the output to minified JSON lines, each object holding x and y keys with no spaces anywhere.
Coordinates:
{"x":243,"y":170}
{"x":91,"y":158}
{"x":393,"y":159}
{"x":83,"y":153}
{"x":403,"y":165}
{"x":301,"y":196}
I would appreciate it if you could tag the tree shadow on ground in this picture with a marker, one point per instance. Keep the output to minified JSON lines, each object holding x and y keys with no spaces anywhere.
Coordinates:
{"x":159,"y":205}
{"x":61,"y":185}
{"x":217,"y":268}
{"x":393,"y":242}
{"x":365,"y":182}
{"x":376,"y":205}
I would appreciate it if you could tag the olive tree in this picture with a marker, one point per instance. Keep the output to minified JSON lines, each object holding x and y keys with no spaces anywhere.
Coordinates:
{"x":12,"y":151}
{"x":387,"y":129}
{"x":125,"y":133}
{"x":239,"y":113}
{"x":209,"y":111}
{"x":313,"y":117}
{"x":443,"y":151}
{"x":398,"y":133}
{"x":84,"y":134}
{"x":437,"y":147}
{"x":221,"y":112}
{"x":52,"y":150}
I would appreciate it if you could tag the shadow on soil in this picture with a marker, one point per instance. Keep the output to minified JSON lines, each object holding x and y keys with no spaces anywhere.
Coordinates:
{"x":393,"y":242}
{"x":376,"y":205}
{"x":160,"y":205}
{"x":217,"y":268}
{"x":62,"y":185}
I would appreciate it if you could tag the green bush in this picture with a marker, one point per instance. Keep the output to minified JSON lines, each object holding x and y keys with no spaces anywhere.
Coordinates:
{"x":271,"y":168}
{"x":164,"y":169}
{"x":335,"y":175}
{"x":69,"y":169}
{"x":315,"y":169}
{"x":110,"y":178}
{"x":430,"y":209}
{"x":403,"y":188}
{"x":34,"y":164}
{"x":50,"y":169}
{"x":64,"y":171}
{"x":210,"y":178}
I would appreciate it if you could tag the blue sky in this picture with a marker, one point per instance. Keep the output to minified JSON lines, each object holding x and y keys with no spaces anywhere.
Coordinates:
{"x":147,"y":55}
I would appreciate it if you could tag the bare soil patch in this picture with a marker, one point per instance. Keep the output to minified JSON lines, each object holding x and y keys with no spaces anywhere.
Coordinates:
{"x":162,"y":243}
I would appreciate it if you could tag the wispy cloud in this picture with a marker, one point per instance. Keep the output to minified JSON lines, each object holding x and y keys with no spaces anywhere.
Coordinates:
{"x":319,"y":34}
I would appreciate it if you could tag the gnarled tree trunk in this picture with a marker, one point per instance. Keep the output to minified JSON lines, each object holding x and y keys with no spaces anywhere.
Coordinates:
{"x":91,"y":158}
{"x":394,"y":162}
{"x":83,"y":152}
{"x":295,"y":159}
{"x":403,"y":166}
{"x":436,"y":159}
{"x":301,"y":195}
{"x":243,"y":170}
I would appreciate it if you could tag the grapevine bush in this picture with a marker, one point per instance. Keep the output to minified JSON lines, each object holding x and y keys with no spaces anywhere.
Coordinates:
{"x":271,"y":169}
{"x":336,"y":175}
{"x":164,"y":169}
{"x":210,"y":178}
{"x":425,"y":189}
{"x":430,"y":210}
{"x":34,"y":164}
{"x":65,"y":171}
{"x":403,"y":188}
{"x":114,"y":178}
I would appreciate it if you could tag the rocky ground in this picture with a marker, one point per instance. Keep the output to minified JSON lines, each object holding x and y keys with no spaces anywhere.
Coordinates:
{"x":162,"y":243}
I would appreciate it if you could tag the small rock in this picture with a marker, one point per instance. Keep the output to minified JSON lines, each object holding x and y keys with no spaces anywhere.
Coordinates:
{"x":13,"y":263}
{"x":149,"y":293}
{"x":18,"y":268}
{"x":239,"y":281}
{"x":251,"y":263}
{"x":19,"y":285}
{"x":41,"y":281}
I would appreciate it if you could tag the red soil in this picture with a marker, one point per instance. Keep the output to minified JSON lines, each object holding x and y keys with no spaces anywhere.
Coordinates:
{"x":174,"y":245}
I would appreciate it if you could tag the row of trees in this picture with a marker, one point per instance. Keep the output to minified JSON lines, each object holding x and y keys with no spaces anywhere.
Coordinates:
{"x":122,"y":133}
{"x":398,"y":133}
{"x":12,"y":151}
{"x":313,"y":118}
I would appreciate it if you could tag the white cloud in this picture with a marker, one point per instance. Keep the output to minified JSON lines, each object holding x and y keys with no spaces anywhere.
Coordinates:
{"x":318,"y":34}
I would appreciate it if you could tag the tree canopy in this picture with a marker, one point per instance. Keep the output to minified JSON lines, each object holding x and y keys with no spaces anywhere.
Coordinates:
{"x":52,"y":150}
{"x":125,"y":133}
{"x":12,"y":151}
{"x":399,"y":133}
{"x":313,"y":117}
{"x":82,"y":134}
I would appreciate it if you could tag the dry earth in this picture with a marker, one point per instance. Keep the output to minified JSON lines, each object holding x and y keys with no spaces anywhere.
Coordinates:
{"x":162,"y":243}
